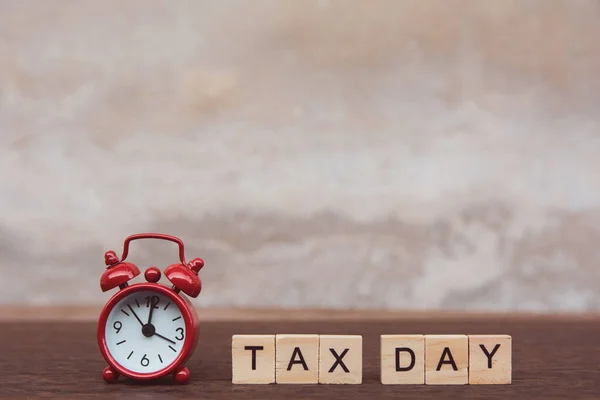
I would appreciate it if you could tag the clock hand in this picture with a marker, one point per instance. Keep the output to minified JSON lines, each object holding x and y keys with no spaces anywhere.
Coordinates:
{"x":153,"y":304}
{"x":167,"y":339}
{"x":136,"y":316}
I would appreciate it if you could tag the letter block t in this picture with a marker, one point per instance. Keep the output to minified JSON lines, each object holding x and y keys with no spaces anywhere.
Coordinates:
{"x":253,"y":359}
{"x":402,"y":359}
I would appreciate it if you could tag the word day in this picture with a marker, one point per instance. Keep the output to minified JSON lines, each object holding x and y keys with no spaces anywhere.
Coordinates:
{"x":404,"y":359}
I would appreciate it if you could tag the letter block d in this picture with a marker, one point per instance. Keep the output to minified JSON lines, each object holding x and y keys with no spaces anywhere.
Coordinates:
{"x":402,"y":359}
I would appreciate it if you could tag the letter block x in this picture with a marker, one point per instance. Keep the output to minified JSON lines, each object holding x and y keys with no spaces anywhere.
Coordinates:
{"x":340,"y":359}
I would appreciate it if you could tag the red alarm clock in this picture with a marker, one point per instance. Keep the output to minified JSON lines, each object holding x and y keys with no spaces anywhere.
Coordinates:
{"x":149,"y":330}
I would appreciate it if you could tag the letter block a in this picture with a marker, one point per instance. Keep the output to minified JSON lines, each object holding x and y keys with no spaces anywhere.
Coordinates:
{"x":297,"y":358}
{"x":402,"y":359}
{"x":253,"y":359}
{"x":446,"y":360}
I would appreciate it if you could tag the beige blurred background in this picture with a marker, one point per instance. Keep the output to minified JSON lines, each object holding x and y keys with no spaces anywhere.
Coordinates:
{"x":430,"y":154}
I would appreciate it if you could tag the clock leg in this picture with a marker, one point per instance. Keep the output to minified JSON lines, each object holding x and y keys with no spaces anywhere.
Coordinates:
{"x":110,"y":375}
{"x":181,"y":375}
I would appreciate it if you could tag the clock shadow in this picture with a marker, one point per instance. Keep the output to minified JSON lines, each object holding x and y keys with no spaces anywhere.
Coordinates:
{"x":163,"y":381}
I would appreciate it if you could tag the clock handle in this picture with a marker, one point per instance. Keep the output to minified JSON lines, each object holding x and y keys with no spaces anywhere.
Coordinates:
{"x":160,"y":236}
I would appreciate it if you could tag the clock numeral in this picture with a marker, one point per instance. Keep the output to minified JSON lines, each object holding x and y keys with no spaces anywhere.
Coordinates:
{"x":145,"y":361}
{"x":117,"y":325}
{"x":180,"y":330}
{"x":152,"y":300}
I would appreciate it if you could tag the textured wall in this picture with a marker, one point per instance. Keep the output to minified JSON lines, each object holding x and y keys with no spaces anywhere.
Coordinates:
{"x":409,"y":154}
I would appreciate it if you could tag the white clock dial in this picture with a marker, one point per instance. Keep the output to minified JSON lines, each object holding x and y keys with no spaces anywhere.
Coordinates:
{"x":140,"y":346}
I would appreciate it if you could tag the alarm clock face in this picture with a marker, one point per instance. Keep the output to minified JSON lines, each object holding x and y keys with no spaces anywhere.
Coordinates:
{"x":145,"y":332}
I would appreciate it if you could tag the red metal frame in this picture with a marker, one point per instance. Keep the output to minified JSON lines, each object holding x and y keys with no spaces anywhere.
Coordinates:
{"x":161,"y":236}
{"x":192,"y":324}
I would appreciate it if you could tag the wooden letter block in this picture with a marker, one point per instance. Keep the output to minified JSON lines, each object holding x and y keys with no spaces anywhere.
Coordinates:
{"x":253,"y":359}
{"x":340,"y":359}
{"x":446,"y":359}
{"x":490,"y":359}
{"x":402,"y":359}
{"x":297,"y":359}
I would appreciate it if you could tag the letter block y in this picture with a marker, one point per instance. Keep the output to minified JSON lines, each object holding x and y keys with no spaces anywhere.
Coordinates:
{"x":490,"y":359}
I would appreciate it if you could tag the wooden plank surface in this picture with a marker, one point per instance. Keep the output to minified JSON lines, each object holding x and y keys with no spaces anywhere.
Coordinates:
{"x":552,"y":359}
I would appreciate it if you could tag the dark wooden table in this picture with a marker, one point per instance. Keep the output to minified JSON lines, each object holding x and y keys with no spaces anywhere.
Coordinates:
{"x":552,"y":359}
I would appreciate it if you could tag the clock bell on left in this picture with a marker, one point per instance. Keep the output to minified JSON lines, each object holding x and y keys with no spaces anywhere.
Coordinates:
{"x":149,"y":330}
